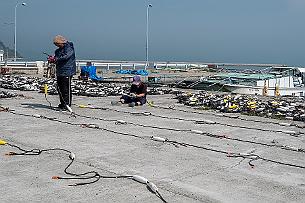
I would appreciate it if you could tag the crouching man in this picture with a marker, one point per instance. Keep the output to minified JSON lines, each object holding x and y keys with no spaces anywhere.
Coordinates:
{"x":138,"y":91}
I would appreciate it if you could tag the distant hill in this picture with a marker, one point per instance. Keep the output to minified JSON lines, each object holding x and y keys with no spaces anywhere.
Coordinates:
{"x":11,"y":52}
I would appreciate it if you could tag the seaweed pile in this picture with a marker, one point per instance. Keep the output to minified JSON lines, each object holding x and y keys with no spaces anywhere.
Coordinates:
{"x":23,"y":83}
{"x":6,"y":94}
{"x":79,"y":87}
{"x":292,"y":108}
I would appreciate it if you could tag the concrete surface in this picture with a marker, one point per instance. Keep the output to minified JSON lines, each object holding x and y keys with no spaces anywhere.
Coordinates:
{"x":182,"y":174}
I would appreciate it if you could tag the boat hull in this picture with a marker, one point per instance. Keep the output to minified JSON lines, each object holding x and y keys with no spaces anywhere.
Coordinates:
{"x":283,"y":91}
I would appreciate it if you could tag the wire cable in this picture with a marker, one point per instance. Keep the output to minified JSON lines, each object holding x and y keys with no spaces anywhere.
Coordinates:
{"x":202,"y":147}
{"x":285,"y":147}
{"x":77,"y":176}
{"x":172,"y":107}
{"x":291,"y":133}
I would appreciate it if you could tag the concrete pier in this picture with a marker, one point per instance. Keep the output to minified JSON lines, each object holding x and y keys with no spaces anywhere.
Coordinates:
{"x":182,"y":173}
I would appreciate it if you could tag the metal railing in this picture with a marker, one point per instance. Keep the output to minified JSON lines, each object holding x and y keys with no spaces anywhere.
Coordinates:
{"x":99,"y":64}
{"x":108,"y":64}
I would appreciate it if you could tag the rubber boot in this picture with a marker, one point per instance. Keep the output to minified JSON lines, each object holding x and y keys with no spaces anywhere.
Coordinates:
{"x":132,"y":104}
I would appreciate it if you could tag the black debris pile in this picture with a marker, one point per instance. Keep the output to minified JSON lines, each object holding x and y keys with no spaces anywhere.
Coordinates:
{"x":292,"y":108}
{"x":79,"y":87}
{"x":96,"y":89}
{"x":23,"y":83}
{"x":6,"y":94}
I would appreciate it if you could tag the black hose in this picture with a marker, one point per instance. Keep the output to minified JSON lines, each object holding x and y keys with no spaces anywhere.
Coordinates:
{"x":160,"y":196}
{"x":45,"y":96}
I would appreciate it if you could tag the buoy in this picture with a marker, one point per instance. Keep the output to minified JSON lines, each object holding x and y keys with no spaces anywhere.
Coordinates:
{"x":92,"y":126}
{"x":140,"y":179}
{"x":289,"y":131}
{"x":46,"y":87}
{"x":152,"y":186}
{"x":158,"y":139}
{"x":291,"y":148}
{"x":72,"y":156}
{"x":121,"y":122}
{"x":146,"y":113}
{"x":285,"y":124}
{"x":2,"y":142}
{"x":265,"y":89}
{"x":197,"y":131}
{"x":36,"y":115}
{"x":277,"y":90}
{"x":209,"y":122}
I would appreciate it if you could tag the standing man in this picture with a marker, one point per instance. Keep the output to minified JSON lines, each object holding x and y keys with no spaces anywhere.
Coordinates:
{"x":65,"y":69}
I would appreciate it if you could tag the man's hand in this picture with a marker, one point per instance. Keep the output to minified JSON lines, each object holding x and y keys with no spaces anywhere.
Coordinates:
{"x":133,"y":95}
{"x":51,"y":59}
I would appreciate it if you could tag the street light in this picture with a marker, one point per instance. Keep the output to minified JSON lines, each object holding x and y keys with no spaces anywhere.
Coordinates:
{"x":15,"y":35}
{"x":147,"y":21}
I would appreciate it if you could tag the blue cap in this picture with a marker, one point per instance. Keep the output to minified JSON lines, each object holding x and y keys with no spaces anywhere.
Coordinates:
{"x":136,"y":80}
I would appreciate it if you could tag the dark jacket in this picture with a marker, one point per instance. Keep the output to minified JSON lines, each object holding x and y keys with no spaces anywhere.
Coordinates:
{"x":65,"y":60}
{"x":139,"y":89}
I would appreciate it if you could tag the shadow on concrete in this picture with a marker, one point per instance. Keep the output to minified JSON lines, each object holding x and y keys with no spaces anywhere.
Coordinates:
{"x":35,"y":106}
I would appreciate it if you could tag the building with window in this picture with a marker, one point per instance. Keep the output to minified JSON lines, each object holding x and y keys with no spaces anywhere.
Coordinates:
{"x":1,"y":55}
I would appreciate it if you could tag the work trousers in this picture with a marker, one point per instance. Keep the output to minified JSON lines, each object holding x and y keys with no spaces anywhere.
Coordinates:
{"x":127,"y":99}
{"x":64,"y":90}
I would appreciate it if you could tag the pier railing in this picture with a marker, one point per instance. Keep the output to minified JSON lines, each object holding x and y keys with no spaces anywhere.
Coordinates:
{"x":104,"y":64}
{"x":134,"y":64}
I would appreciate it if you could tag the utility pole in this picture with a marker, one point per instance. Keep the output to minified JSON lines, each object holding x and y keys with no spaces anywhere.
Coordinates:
{"x":147,"y":33}
{"x":15,"y":35}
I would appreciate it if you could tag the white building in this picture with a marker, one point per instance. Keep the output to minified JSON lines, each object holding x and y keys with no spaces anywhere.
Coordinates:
{"x":1,"y":55}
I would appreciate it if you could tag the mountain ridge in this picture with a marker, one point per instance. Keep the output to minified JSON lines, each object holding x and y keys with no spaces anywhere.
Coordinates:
{"x":8,"y":53}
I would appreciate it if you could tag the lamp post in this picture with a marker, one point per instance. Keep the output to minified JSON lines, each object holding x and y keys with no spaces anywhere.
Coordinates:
{"x":147,"y":26}
{"x":15,"y":35}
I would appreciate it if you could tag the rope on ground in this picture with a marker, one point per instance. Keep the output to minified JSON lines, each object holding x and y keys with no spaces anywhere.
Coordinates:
{"x":81,"y":176}
{"x":246,"y":156}
{"x":289,"y":132}
{"x":172,"y":107}
{"x":121,"y":122}
{"x":252,"y":157}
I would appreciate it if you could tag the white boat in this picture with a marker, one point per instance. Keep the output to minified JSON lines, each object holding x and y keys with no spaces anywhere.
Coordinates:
{"x":279,"y":81}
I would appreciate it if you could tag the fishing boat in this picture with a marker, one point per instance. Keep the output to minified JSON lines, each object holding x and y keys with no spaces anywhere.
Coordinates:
{"x":278,"y":81}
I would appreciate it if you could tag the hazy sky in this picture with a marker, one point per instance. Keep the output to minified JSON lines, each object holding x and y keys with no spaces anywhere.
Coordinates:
{"x":238,"y":31}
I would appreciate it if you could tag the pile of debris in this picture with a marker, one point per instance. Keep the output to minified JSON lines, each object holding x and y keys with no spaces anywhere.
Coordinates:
{"x":79,"y":87}
{"x":6,"y":94}
{"x":292,"y":108}
{"x":23,"y":83}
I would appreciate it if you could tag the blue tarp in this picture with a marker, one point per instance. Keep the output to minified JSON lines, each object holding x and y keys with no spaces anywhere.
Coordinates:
{"x":90,"y":71}
{"x":133,"y":72}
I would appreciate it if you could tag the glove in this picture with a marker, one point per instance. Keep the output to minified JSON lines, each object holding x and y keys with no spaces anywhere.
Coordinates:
{"x":51,"y":59}
{"x":133,"y":95}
